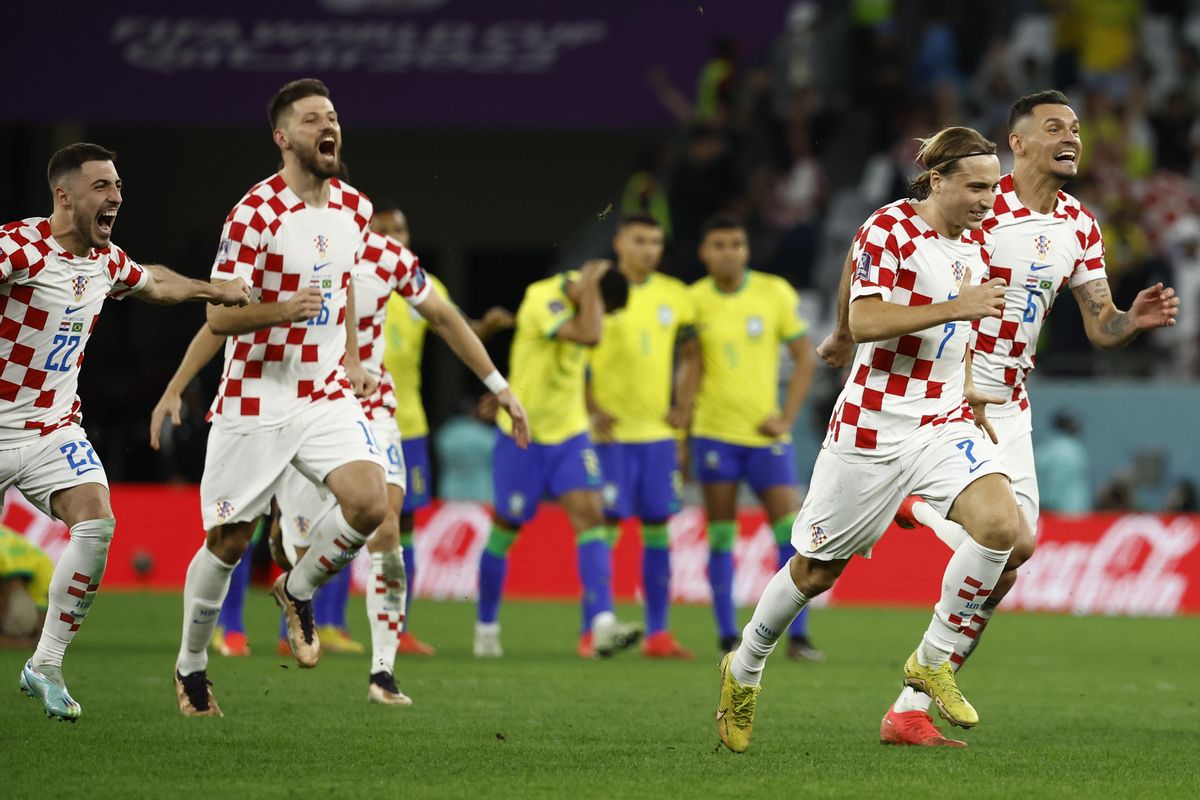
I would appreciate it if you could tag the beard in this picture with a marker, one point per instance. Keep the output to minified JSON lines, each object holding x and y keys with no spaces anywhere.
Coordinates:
{"x":310,"y":159}
{"x":86,"y":226}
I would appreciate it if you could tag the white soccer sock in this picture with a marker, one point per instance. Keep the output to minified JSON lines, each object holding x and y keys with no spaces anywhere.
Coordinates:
{"x":968,"y":638}
{"x":334,"y":546}
{"x":385,"y":607}
{"x":947,"y":530}
{"x":969,"y":578}
{"x":203,"y":593}
{"x":781,"y":601}
{"x":73,"y":587}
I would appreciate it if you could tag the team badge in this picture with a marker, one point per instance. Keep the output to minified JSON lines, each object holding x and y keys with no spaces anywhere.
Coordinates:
{"x":817,"y":537}
{"x":609,"y":494}
{"x":864,"y":267}
{"x":1042,"y":244}
{"x":557,"y":307}
{"x":712,"y":459}
{"x":79,"y":285}
{"x":224,"y":510}
{"x":516,"y":504}
{"x":302,"y":525}
{"x":665,"y":315}
{"x":754,"y":326}
{"x":322,"y":244}
{"x":960,"y":270}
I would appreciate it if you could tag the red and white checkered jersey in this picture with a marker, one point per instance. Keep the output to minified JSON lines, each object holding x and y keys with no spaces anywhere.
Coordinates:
{"x":278,"y":244}
{"x":903,"y":386}
{"x":1038,"y":255}
{"x":385,"y":266}
{"x":50,"y":300}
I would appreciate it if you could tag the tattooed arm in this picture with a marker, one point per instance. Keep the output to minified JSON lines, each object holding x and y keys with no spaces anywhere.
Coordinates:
{"x":1108,"y":327}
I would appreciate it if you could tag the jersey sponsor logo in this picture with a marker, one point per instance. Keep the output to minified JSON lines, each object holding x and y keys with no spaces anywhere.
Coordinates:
{"x":321,"y":266}
{"x":1035,"y":266}
{"x":864,"y":267}
{"x":70,"y":310}
{"x":666,"y":315}
{"x":971,"y":470}
{"x":754,"y":327}
{"x":79,"y":285}
{"x":322,"y":244}
{"x":1042,"y":244}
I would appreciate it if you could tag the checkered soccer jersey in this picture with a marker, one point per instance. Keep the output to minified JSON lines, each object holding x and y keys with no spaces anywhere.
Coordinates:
{"x":1038,"y":255}
{"x":898,"y":387}
{"x":50,"y":300}
{"x":278,"y":244}
{"x":384,"y":266}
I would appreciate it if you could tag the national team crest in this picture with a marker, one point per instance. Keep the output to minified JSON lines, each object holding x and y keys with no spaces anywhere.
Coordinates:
{"x":79,"y":285}
{"x":322,"y":244}
{"x":817,"y":537}
{"x":302,"y":525}
{"x":754,"y":327}
{"x":1042,"y":244}
{"x":516,"y":504}
{"x":224,"y":510}
{"x":960,"y":270}
{"x":665,"y":315}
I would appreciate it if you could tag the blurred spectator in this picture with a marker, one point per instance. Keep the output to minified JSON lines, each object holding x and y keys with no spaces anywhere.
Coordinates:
{"x":1062,"y":467}
{"x":1108,"y":36}
{"x":1182,"y":499}
{"x":464,"y":447}
{"x":1116,"y":495}
{"x":1183,"y":339}
{"x":790,"y":201}
{"x":645,"y":193}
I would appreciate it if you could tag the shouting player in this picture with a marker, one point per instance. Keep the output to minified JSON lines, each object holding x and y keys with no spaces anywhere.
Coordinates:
{"x":636,"y":425}
{"x":740,"y":433}
{"x":55,"y":274}
{"x":906,"y":422}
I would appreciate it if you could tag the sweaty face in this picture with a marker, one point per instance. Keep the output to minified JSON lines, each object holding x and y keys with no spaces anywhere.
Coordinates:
{"x":725,"y":253}
{"x":1049,"y":139}
{"x":94,"y":195}
{"x":391,"y":223}
{"x":964,"y":197}
{"x":312,"y":132}
{"x":640,"y":245}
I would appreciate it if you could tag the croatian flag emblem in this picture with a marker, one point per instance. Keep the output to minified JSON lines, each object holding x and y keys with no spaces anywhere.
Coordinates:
{"x":78,"y":286}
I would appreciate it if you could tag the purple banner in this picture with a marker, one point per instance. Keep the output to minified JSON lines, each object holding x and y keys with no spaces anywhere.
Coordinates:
{"x":507,"y":63}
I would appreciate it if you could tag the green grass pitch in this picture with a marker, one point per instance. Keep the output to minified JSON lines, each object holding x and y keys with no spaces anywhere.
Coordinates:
{"x":1070,"y":707}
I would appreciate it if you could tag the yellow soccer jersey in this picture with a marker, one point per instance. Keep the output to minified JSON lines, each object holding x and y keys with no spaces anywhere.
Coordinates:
{"x":21,"y":558}
{"x":545,"y":372}
{"x":740,"y":336}
{"x":633,"y":366}
{"x":404,"y":334}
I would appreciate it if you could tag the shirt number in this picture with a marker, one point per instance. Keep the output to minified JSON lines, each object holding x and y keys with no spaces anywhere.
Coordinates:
{"x":80,"y":457}
{"x":65,"y":345}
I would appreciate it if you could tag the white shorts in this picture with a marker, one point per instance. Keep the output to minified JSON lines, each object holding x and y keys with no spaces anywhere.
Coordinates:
{"x":51,"y":463}
{"x":243,"y":470}
{"x":1016,"y":451}
{"x":850,"y":503}
{"x":302,"y":502}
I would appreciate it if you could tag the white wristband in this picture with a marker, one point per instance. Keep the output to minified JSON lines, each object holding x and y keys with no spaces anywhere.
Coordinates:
{"x":495,"y":382}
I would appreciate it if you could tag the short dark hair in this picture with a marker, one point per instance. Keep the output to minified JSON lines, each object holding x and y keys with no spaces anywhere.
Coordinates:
{"x":614,"y":290}
{"x":386,"y":205}
{"x":639,"y":218}
{"x":1025,"y":105}
{"x":72,"y":158}
{"x":290,"y":93}
{"x":724,"y":221}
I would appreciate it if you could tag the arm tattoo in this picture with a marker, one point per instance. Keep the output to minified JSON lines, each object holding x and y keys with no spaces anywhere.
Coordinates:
{"x":1117,"y":327}
{"x":1097,"y":298}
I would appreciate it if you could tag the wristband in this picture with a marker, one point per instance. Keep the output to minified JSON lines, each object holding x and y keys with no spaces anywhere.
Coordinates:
{"x":495,"y":382}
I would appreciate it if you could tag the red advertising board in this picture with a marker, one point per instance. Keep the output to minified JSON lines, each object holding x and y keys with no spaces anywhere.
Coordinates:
{"x":1144,"y":564}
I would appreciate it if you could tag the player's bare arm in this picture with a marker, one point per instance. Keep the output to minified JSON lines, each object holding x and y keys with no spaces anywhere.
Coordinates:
{"x":202,"y":349}
{"x":301,"y":306}
{"x":446,"y":321}
{"x":494,"y":320}
{"x":803,"y":367}
{"x":689,"y":366}
{"x":588,"y":323}
{"x":1108,"y":327}
{"x":838,"y":347}
{"x":601,"y":421}
{"x":873,"y":319}
{"x":362,"y":383}
{"x":166,"y":287}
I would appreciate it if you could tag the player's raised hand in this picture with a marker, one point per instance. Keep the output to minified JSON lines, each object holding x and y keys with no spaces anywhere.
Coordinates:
{"x":979,"y":403}
{"x":169,"y":404}
{"x":593,"y":270}
{"x":497,"y":318}
{"x":233,"y":292}
{"x":774,"y":426}
{"x":303,"y":305}
{"x":520,"y":423}
{"x":1155,"y":307}
{"x":836,"y":350}
{"x":979,"y":302}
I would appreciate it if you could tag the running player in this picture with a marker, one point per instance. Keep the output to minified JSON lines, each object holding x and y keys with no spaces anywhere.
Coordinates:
{"x":636,"y":426}
{"x":558,"y":320}
{"x":744,"y":319}
{"x":1045,"y":242}
{"x":404,"y":335}
{"x":905,"y":422}
{"x":25,"y":572}
{"x":55,"y":273}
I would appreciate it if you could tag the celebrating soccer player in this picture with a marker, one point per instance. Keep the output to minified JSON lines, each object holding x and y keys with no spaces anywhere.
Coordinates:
{"x":636,"y":426}
{"x":740,"y":433}
{"x":906,"y":422}
{"x":55,"y":274}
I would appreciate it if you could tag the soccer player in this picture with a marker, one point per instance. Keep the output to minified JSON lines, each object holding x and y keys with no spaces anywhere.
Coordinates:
{"x":906,"y":422}
{"x":25,"y":573}
{"x":740,"y":433}
{"x":287,"y":393}
{"x":55,"y":273}
{"x":404,"y":335}
{"x":636,"y":426}
{"x":559,"y":319}
{"x":1045,"y":241}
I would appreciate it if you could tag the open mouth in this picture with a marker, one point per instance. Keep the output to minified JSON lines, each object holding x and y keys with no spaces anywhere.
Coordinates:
{"x":1065,"y":157}
{"x":327,"y":146}
{"x":105,"y":220}
{"x":978,"y":215}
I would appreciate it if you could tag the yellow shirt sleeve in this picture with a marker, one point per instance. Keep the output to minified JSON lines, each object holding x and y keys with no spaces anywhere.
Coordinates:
{"x":792,"y":324}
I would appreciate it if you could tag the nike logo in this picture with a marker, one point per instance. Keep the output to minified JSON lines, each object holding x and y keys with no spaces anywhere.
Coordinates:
{"x":977,"y":466}
{"x":720,"y":714}
{"x":70,"y":310}
{"x":319,"y":267}
{"x":1034,"y":267}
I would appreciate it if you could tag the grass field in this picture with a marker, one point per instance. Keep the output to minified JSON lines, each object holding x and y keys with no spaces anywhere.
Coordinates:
{"x":1071,"y":707}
